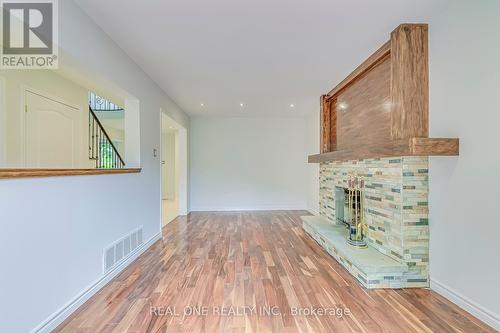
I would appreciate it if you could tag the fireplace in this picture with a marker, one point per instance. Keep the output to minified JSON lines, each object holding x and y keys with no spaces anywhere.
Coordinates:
{"x":395,"y":219}
{"x":374,"y":131}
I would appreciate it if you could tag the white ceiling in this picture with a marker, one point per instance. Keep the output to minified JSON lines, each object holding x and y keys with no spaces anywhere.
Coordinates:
{"x":266,"y":54}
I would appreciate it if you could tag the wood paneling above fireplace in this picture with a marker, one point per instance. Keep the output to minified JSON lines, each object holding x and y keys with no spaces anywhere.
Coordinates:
{"x":382,"y":108}
{"x":363,"y":109}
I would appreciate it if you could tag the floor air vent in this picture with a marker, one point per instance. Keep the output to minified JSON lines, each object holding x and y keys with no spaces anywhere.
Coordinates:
{"x":120,"y":250}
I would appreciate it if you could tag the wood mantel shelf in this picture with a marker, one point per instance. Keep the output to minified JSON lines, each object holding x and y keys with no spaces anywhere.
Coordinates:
{"x":382,"y":108}
{"x":410,"y":147}
{"x":37,"y":173}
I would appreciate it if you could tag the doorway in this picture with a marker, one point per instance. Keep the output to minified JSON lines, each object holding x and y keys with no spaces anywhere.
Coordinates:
{"x":173,"y":169}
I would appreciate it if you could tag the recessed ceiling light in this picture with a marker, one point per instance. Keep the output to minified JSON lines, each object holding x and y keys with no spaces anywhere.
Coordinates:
{"x":202,"y":104}
{"x":242,"y":105}
{"x":292,"y":105}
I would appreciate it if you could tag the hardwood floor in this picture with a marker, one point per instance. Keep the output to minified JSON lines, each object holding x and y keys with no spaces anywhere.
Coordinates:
{"x":170,"y":210}
{"x":250,"y":263}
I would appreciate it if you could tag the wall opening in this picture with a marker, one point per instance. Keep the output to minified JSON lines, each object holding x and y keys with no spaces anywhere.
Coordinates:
{"x":173,"y":169}
{"x":46,"y":121}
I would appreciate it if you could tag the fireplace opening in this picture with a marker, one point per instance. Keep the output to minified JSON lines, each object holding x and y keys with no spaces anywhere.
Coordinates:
{"x":350,"y":211}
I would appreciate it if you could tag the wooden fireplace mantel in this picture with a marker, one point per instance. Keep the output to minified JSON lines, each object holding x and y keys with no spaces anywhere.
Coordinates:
{"x":404,"y":147}
{"x":382,"y":108}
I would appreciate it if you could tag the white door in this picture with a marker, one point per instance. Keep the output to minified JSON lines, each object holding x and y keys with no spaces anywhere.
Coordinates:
{"x":52,"y":133}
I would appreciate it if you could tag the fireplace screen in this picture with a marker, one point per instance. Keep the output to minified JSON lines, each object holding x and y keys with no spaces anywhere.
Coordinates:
{"x":350,"y":210}
{"x":342,"y":204}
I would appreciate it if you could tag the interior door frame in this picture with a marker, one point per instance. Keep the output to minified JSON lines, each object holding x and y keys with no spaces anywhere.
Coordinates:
{"x":160,"y":157}
{"x":182,"y":164}
{"x":25,"y":89}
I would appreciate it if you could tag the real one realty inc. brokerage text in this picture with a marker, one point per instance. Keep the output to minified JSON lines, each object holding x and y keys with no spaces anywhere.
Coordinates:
{"x":240,"y":311}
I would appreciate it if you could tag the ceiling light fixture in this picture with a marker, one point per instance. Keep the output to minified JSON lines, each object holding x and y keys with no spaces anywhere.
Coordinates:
{"x":202,"y":104}
{"x":242,"y":105}
{"x":292,"y":105}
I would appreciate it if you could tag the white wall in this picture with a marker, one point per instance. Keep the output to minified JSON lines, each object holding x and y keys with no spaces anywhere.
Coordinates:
{"x":248,"y":163}
{"x":54,"y":229}
{"x":313,"y":147}
{"x":464,"y":191}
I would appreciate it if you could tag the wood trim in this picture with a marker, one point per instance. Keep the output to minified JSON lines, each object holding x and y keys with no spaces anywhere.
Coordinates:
{"x":332,"y":105}
{"x":380,"y":55}
{"x":410,"y":81}
{"x":404,"y":147}
{"x":434,"y":147}
{"x":37,"y":173}
{"x":328,"y":124}
{"x":325,"y":126}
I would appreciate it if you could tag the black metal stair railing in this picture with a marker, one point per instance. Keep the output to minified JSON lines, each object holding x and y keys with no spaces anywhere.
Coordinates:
{"x":101,"y":148}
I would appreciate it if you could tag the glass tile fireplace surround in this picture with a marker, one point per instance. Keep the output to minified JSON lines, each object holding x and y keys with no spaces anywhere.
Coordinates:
{"x":396,"y":206}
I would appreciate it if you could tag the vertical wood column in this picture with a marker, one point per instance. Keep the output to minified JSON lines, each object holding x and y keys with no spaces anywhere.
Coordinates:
{"x":332,"y":106}
{"x":325,"y":125}
{"x":409,"y":81}
{"x":328,"y":124}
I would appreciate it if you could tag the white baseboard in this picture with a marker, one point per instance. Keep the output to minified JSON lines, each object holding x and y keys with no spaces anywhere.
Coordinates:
{"x":59,"y":316}
{"x":246,"y":209}
{"x":467,"y":304}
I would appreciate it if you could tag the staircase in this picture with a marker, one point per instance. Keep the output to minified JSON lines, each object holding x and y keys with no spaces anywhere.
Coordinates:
{"x":101,"y":148}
